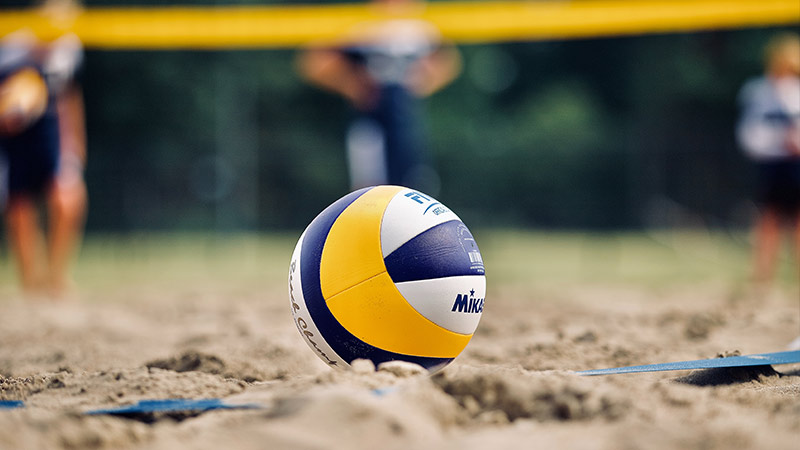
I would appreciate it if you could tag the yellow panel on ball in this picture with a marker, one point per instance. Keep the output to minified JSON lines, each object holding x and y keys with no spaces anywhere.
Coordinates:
{"x":354,"y":243}
{"x":375,"y":312}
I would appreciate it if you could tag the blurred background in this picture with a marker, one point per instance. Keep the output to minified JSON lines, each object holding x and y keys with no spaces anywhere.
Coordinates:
{"x":597,"y":134}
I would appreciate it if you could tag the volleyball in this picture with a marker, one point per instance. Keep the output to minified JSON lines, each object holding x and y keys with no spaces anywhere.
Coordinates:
{"x":387,"y":273}
{"x":23,"y":99}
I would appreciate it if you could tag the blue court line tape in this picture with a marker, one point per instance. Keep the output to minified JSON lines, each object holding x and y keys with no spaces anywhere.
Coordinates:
{"x":762,"y":359}
{"x":174,"y":405}
{"x":380,"y":392}
{"x":11,"y":404}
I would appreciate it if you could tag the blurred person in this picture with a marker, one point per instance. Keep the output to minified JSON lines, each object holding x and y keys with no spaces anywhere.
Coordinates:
{"x":383,"y":69}
{"x":43,"y":148}
{"x":769,"y":133}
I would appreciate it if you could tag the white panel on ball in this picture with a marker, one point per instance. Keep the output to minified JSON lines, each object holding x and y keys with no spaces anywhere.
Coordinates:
{"x":454,"y":303}
{"x":408,"y":214}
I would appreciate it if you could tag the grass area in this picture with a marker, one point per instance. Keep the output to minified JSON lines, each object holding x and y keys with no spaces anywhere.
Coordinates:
{"x":653,"y":259}
{"x":109,"y":263}
{"x":115,"y":262}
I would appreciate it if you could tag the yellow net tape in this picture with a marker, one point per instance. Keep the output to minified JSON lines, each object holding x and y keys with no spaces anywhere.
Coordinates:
{"x":464,"y":22}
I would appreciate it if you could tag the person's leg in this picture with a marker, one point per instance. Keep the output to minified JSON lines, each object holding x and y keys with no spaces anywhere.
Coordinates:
{"x":67,"y":213}
{"x":768,"y":236}
{"x":26,"y":241}
{"x":797,"y":243}
{"x":366,"y":154}
{"x":66,"y":197}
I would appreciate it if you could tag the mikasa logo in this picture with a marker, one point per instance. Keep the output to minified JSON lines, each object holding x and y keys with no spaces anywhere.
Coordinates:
{"x":468,"y":304}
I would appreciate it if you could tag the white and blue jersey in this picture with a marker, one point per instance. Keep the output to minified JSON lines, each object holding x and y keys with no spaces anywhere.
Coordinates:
{"x":770,"y":118}
{"x":770,"y":110}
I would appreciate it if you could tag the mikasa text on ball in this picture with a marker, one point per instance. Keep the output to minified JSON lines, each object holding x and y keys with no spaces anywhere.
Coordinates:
{"x":387,"y":273}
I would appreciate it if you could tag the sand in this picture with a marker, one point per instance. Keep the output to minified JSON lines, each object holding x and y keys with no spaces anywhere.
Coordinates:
{"x":513,"y":386}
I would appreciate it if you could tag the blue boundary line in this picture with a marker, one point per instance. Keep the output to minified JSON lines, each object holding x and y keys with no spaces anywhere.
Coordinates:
{"x":173,"y":405}
{"x":762,"y":359}
{"x":11,"y":404}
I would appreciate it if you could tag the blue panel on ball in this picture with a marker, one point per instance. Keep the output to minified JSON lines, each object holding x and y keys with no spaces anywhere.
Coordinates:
{"x":446,"y":250}
{"x":345,"y":344}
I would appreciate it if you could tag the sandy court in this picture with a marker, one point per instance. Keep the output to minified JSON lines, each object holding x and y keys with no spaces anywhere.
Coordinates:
{"x":233,"y":338}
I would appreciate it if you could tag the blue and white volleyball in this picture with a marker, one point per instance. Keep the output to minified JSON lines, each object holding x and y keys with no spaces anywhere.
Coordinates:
{"x":387,"y":273}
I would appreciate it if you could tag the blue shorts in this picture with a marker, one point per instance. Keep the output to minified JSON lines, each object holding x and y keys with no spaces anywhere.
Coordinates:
{"x":32,"y":157}
{"x":779,"y":186}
